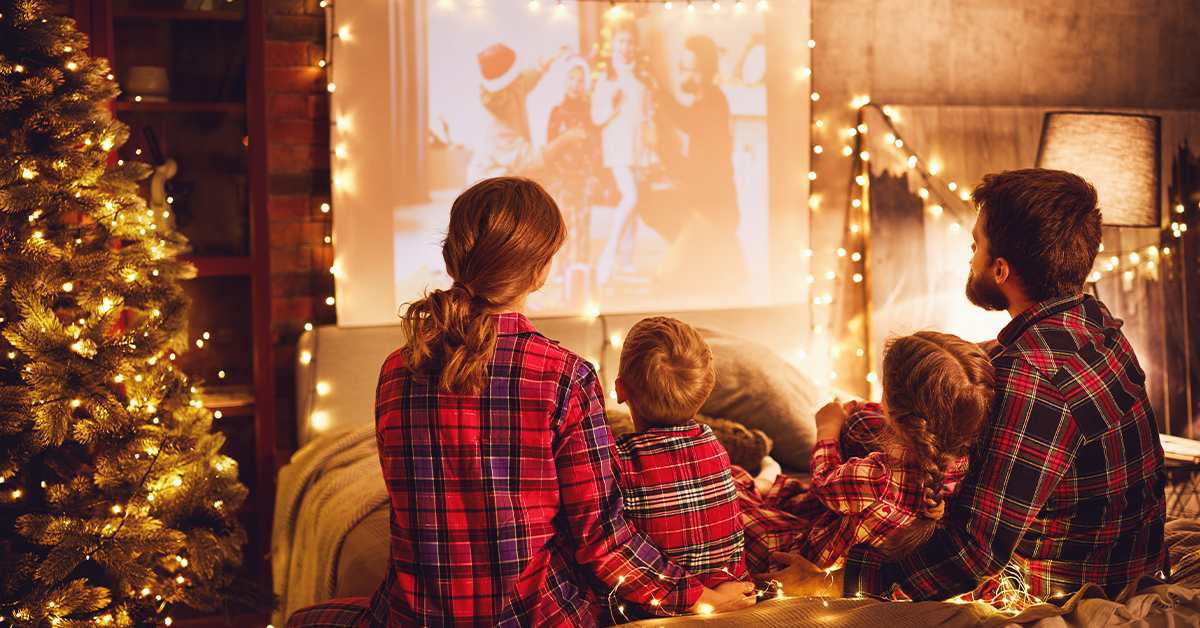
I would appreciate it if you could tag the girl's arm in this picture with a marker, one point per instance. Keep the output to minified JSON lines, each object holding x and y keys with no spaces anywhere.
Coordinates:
{"x":846,"y":487}
{"x":606,"y":102}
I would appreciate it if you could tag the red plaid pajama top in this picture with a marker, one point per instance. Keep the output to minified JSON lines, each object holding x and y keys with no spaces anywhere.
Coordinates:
{"x":679,"y":493}
{"x":857,"y":496}
{"x":505,"y":509}
{"x":1066,"y":481}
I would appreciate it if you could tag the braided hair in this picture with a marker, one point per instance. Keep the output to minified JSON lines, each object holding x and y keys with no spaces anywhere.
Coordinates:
{"x":938,"y":394}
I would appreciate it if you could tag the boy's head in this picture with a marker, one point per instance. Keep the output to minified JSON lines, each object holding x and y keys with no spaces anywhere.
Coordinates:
{"x":666,"y":371}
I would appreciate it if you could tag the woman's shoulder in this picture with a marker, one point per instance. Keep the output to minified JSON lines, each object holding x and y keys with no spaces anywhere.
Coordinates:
{"x":531,"y":348}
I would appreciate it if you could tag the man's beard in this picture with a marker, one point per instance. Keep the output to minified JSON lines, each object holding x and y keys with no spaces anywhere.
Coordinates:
{"x":690,"y":87}
{"x":983,"y":292}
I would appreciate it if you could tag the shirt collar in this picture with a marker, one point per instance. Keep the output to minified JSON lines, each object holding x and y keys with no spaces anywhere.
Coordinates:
{"x":1039,"y":311}
{"x":512,"y":323}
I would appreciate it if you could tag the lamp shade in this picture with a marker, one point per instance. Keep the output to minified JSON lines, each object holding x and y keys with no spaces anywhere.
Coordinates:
{"x":1119,"y":154}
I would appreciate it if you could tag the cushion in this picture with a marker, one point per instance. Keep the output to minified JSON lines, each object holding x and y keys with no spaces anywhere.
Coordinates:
{"x":746,"y":447}
{"x":762,"y":391}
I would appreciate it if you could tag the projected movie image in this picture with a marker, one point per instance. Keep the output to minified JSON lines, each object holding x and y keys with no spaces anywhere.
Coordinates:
{"x":648,"y":126}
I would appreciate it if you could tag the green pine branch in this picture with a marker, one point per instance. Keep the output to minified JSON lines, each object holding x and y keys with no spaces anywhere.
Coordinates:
{"x":116,"y":504}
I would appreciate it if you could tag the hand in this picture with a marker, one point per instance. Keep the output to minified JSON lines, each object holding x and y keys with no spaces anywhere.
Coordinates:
{"x":830,"y":419}
{"x":801,"y":577}
{"x":852,"y":406}
{"x":728,"y":596}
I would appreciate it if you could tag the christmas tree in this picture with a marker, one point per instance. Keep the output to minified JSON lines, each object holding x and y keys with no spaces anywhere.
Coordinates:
{"x":116,"y":505}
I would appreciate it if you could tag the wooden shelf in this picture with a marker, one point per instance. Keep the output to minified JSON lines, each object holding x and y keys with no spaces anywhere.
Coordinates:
{"x":170,"y":14}
{"x":182,"y":107}
{"x":219,"y":266}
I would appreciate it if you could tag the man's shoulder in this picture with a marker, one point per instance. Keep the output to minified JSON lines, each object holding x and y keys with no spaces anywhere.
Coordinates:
{"x":1051,"y":342}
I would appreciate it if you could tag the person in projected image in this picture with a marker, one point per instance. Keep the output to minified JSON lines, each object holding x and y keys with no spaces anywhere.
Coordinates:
{"x":507,"y":148}
{"x":1066,"y":483}
{"x":571,"y":178}
{"x":705,"y":176}
{"x":622,"y":108}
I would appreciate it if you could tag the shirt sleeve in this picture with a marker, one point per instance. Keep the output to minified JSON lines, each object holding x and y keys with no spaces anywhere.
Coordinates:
{"x":845,"y":487}
{"x":862,"y":430}
{"x":602,"y":101}
{"x":622,"y":559}
{"x":1026,"y":451}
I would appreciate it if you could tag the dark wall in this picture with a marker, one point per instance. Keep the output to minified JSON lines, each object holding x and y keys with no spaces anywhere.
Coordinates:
{"x":1140,"y":54}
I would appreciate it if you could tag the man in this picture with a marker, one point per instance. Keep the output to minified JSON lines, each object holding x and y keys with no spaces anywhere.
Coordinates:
{"x":1067,"y":482}
{"x":705,"y":175}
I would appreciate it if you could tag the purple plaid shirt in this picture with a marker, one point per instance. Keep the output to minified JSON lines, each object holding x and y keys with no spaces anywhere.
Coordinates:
{"x":505,"y":509}
{"x":1067,"y":480}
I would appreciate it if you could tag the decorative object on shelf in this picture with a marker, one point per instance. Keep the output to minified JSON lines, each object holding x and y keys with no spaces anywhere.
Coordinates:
{"x":147,"y":83}
{"x":117,"y":505}
{"x":1120,"y":154}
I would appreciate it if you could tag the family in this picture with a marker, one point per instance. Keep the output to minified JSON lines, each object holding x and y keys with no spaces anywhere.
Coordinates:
{"x":513,"y":505}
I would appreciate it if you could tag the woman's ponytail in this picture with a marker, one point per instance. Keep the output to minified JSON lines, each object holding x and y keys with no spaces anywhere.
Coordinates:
{"x":449,"y":333}
{"x":503,"y":233}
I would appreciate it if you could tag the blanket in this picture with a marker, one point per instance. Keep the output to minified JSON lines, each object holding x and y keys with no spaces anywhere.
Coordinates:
{"x":331,"y":485}
{"x":333,"y":490}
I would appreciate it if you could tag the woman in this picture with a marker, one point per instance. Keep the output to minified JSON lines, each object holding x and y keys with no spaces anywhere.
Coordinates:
{"x":495,"y":451}
{"x":622,"y":108}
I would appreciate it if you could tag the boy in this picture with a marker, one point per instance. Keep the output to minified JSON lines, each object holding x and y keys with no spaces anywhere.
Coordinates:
{"x":674,"y":474}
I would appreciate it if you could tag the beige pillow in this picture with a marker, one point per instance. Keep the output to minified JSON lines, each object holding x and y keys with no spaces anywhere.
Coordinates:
{"x":762,"y":391}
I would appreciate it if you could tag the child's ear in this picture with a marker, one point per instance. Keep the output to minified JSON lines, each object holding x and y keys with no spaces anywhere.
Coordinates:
{"x":620,"y":388}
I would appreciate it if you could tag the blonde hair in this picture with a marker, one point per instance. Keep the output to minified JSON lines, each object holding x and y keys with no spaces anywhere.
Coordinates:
{"x":667,"y":370}
{"x":503,"y":232}
{"x":938,"y":389}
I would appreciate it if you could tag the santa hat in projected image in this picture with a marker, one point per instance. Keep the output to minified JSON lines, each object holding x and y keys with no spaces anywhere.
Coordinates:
{"x":498,"y":64}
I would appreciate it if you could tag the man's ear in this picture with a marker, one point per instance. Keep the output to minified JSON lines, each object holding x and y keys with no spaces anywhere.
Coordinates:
{"x":1001,"y":270}
{"x":620,"y":388}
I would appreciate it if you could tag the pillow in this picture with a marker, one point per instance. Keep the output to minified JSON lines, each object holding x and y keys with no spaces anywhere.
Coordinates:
{"x":760,"y":390}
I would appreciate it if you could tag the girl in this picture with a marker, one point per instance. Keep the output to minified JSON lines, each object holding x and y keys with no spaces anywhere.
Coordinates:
{"x":622,"y":108}
{"x":496,"y":452}
{"x":880,"y":474}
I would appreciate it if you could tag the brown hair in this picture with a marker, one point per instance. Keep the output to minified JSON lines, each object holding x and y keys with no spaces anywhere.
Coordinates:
{"x":667,"y":370}
{"x":502,"y":234}
{"x":1045,"y":223}
{"x":938,"y":392}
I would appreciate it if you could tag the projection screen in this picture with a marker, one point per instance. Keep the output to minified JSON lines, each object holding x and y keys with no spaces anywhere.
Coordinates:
{"x":675,"y":141}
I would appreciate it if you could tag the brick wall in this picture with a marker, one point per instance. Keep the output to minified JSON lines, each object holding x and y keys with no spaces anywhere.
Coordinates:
{"x":298,"y":154}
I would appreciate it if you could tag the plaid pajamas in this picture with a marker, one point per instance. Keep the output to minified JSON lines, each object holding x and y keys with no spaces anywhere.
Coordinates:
{"x":505,"y":508}
{"x":679,"y":493}
{"x":1067,"y":479}
{"x":860,"y":500}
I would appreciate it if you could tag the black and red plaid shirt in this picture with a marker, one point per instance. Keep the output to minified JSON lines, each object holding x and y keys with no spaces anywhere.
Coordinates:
{"x":1066,"y":481}
{"x":679,"y":492}
{"x":505,"y":507}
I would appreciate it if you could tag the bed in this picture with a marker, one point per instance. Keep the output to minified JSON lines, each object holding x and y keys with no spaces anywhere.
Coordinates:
{"x":331,"y":528}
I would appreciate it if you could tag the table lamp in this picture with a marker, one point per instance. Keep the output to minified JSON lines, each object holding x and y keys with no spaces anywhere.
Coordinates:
{"x":1117,"y":153}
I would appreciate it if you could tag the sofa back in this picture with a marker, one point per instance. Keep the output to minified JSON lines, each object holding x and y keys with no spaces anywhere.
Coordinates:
{"x":337,"y":368}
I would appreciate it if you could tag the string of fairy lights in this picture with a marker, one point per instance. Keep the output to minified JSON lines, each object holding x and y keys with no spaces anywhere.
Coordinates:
{"x":146,"y":393}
